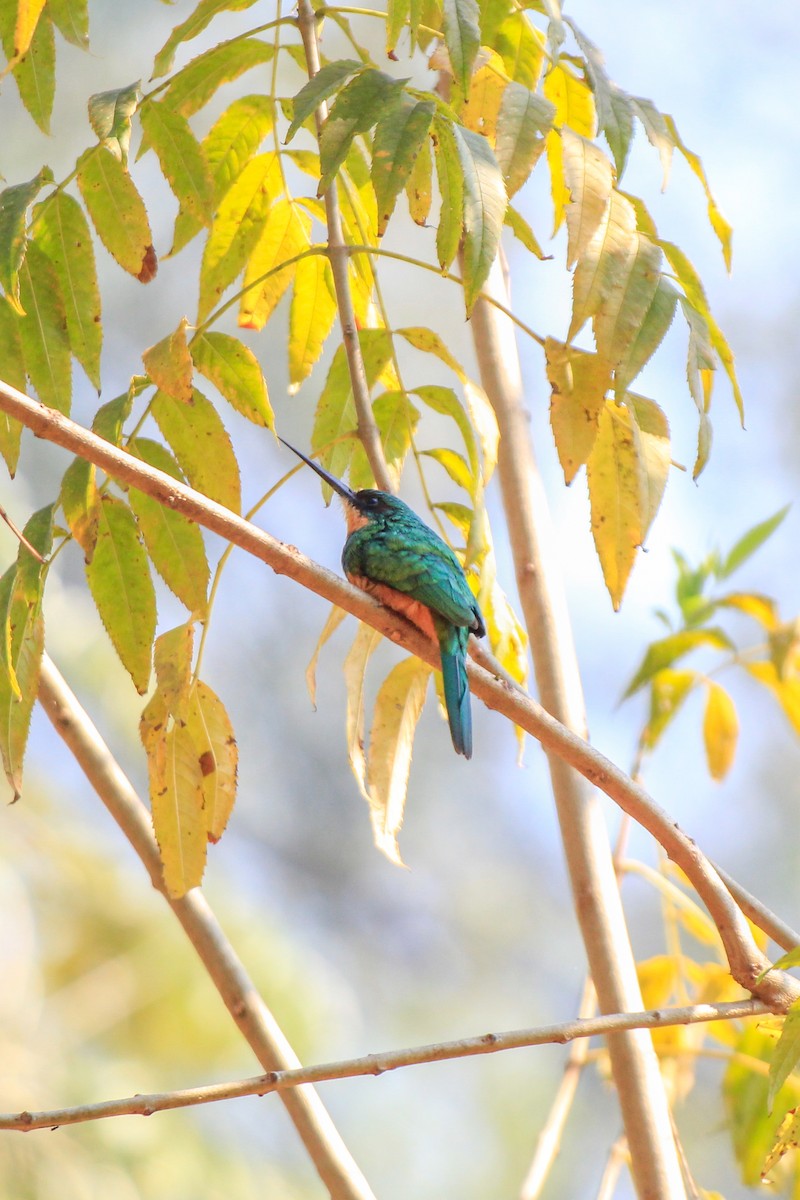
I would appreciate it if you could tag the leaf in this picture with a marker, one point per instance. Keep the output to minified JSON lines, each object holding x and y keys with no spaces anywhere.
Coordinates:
{"x":722,"y":228}
{"x":71,"y":19}
{"x":720,"y":732}
{"x":397,"y":419}
{"x":80,"y":501}
{"x":43,"y":331}
{"x":191,"y":88}
{"x":652,"y":331}
{"x":786,"y":1054}
{"x":614,"y":108}
{"x":201,"y":445}
{"x":398,"y":139}
{"x":194,"y":24}
{"x":355,"y":666}
{"x":522,"y":48}
{"x":658,"y":134}
{"x":523,"y":232}
{"x":172,"y":658}
{"x":668,"y":690}
{"x":176,"y":799}
{"x":450,"y":176}
{"x":174,"y":543}
{"x":14,"y":204}
{"x":620,"y":315}
{"x":28,"y":14}
{"x":110,"y":117}
{"x":234,"y":370}
{"x":462,"y":37}
{"x":663,"y":653}
{"x":13,"y":371}
{"x":601,"y":268}
{"x":749,"y":542}
{"x":444,"y":400}
{"x":753,"y":1132}
{"x":579,"y":382}
{"x":211,"y":731}
{"x":651,"y":436}
{"x":110,"y":418}
{"x":19,"y":674}
{"x":522,"y":123}
{"x":480,"y":106}
{"x":398,"y":708}
{"x":285,"y":234}
{"x":62,"y":231}
{"x":319,"y":88}
{"x":787,"y":1137}
{"x":121,"y":587}
{"x":117,"y":212}
{"x":169,"y":364}
{"x":786,"y":691}
{"x":182,"y":161}
{"x":335,"y":618}
{"x":236,"y":228}
{"x":484,"y":210}
{"x":311,"y":316}
{"x":615,"y":494}
{"x":455,"y":465}
{"x":574,"y":109}
{"x":397,"y":19}
{"x":355,"y":110}
{"x":589,"y":177}
{"x":35,"y":74}
{"x":419,"y":184}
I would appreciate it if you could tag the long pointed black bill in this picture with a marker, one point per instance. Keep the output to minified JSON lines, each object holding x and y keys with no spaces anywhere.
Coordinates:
{"x":341,"y":488}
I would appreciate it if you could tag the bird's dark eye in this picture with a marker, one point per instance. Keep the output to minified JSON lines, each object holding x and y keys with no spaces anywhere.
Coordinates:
{"x":372,"y":501}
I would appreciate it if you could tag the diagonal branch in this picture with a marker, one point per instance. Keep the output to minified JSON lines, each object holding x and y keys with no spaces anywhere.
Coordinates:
{"x":284,"y":1082}
{"x":746,"y":961}
{"x":317,"y":1131}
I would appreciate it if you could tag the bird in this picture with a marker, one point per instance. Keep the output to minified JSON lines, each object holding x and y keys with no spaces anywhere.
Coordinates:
{"x":392,"y":554}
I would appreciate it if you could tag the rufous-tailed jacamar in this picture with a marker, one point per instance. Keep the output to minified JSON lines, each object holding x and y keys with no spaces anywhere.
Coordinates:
{"x":391,"y":553}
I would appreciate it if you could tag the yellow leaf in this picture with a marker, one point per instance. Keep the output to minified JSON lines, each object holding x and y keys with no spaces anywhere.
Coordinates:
{"x":286,"y":233}
{"x":397,"y":712}
{"x":720,"y":731}
{"x":311,"y":316}
{"x":176,"y":798}
{"x":28,"y":13}
{"x":787,"y":1137}
{"x":651,"y":434}
{"x":355,"y":667}
{"x":574,"y":106}
{"x":601,"y":266}
{"x":589,"y":176}
{"x":210,"y":729}
{"x":787,"y":691}
{"x":169,"y":364}
{"x":335,"y":618}
{"x":616,"y":497}
{"x":579,"y":382}
{"x":482,"y":104}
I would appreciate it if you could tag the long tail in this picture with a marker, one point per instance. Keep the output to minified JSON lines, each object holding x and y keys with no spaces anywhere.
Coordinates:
{"x":453,"y":647}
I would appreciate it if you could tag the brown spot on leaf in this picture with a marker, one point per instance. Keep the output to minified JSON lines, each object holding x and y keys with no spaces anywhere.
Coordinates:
{"x":149,"y":265}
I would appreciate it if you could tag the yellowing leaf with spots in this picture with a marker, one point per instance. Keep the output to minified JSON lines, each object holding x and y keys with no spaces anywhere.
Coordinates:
{"x":176,"y":800}
{"x":169,"y":364}
{"x":285,"y":234}
{"x":615,"y":496}
{"x":398,"y":139}
{"x":210,"y":728}
{"x":28,"y":14}
{"x":117,"y":212}
{"x":579,"y":382}
{"x":601,"y":266}
{"x":720,"y":731}
{"x":481,"y":106}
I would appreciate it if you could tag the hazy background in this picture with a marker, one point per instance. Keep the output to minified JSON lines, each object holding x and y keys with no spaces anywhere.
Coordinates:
{"x":102,"y":997}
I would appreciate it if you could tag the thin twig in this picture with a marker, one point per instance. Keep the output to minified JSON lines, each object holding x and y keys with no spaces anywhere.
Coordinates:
{"x":20,"y":536}
{"x":287,"y":1081}
{"x":325,"y":1147}
{"x":617,"y":1157}
{"x":745,"y":959}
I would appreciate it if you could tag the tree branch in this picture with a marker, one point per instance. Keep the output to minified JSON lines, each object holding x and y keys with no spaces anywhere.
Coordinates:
{"x":320,"y":1137}
{"x":776,"y":989}
{"x":286,"y":1081}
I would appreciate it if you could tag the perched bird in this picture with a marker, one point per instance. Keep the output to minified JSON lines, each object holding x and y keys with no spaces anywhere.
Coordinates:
{"x":392,"y":554}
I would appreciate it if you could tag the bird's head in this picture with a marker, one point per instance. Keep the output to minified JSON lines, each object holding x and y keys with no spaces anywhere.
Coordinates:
{"x":364,"y":506}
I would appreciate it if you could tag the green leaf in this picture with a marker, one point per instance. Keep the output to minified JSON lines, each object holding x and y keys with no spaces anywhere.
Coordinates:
{"x":19,"y":673}
{"x":71,"y":19}
{"x":63,"y":233}
{"x":523,"y":232}
{"x":652,"y":331}
{"x":398,"y":708}
{"x":311,"y":316}
{"x":30,"y":570}
{"x":35,"y":74}
{"x":14,"y":204}
{"x":285,"y":234}
{"x":191,"y":88}
{"x":235,"y":372}
{"x":620,"y":315}
{"x":371,"y":95}
{"x":236,"y":228}
{"x":319,"y":88}
{"x":399,"y":137}
{"x":43,"y":331}
{"x":522,"y":49}
{"x":786,"y":1054}
{"x":451,"y":190}
{"x":523,"y":120}
{"x":182,"y":161}
{"x":462,"y":38}
{"x":80,"y":502}
{"x":117,"y":212}
{"x":444,"y":400}
{"x":110,"y":418}
{"x":614,"y":107}
{"x":668,"y":690}
{"x":651,"y":439}
{"x":397,"y":19}
{"x":589,"y":177}
{"x":211,"y":731}
{"x":484,"y":210}
{"x":397,"y":419}
{"x":13,"y":373}
{"x":194,"y":24}
{"x":658,"y":134}
{"x":169,"y":364}
{"x":750,"y":542}
{"x":201,"y":445}
{"x":668,"y":650}
{"x":110,"y":117}
{"x":121,"y":587}
{"x":174,"y":543}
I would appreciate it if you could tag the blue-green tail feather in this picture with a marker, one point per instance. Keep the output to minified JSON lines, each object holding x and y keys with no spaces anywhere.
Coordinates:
{"x":453,"y":646}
